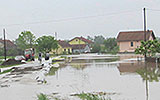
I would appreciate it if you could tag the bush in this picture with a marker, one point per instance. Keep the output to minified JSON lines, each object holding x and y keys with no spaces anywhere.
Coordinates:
{"x":42,"y":96}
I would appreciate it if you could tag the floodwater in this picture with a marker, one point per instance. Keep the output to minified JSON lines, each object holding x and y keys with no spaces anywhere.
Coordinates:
{"x":121,"y":77}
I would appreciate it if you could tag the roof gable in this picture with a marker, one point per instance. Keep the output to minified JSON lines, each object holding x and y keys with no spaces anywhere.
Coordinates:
{"x":82,"y":39}
{"x":9,"y":44}
{"x":79,"y":46}
{"x":63,"y":44}
{"x":134,"y":36}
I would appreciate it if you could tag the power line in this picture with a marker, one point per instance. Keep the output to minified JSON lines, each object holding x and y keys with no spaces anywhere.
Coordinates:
{"x":71,"y":18}
{"x":154,"y":9}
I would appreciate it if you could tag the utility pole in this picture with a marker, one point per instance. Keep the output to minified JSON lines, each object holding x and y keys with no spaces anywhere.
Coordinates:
{"x":56,"y":35}
{"x":4,"y":44}
{"x":56,"y":39}
{"x":144,"y":10}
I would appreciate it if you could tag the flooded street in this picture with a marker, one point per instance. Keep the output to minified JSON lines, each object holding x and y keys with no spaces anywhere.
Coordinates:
{"x":121,"y":77}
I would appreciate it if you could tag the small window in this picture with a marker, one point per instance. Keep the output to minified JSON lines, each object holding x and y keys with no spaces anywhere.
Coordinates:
{"x":131,"y":44}
{"x":64,"y":49}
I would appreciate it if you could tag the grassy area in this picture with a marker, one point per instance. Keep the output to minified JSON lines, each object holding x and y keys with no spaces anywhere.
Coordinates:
{"x":52,"y":71}
{"x":6,"y":71}
{"x":4,"y":66}
{"x":82,"y":96}
{"x":8,"y":57}
{"x":42,"y":96}
{"x":89,"y":96}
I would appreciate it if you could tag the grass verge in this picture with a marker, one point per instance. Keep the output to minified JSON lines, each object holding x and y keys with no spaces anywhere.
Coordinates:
{"x":4,"y":66}
{"x":42,"y":96}
{"x":89,"y":96}
{"x":6,"y":71}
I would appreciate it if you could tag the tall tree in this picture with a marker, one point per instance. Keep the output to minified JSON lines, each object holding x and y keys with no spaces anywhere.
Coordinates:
{"x":150,"y":48}
{"x":99,"y":39}
{"x":25,"y":40}
{"x":110,"y":44}
{"x":90,"y":38}
{"x":46,"y":44}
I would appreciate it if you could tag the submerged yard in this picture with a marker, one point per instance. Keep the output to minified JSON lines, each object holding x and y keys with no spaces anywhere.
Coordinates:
{"x":111,"y":77}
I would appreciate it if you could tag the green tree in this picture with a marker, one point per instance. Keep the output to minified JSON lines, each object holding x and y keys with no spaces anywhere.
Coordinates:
{"x":96,"y":48}
{"x":99,"y":39}
{"x":111,"y":45}
{"x":46,"y":44}
{"x":150,"y":48}
{"x":25,"y":40}
{"x":90,"y":38}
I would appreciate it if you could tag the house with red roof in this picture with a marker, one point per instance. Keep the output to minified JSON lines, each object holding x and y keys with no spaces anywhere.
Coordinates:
{"x":80,"y":45}
{"x":130,"y":40}
{"x":9,"y":44}
{"x":63,"y":47}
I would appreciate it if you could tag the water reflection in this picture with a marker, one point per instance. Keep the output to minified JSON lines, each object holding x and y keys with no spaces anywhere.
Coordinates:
{"x":127,"y":68}
{"x":149,"y":72}
{"x":81,"y":64}
{"x":52,"y":71}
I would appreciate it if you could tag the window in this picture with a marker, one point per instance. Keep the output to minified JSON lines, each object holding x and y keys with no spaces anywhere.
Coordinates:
{"x":131,"y":44}
{"x":64,"y":49}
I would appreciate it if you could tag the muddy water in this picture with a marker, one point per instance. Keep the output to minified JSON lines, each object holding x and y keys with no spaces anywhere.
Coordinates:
{"x":121,"y":77}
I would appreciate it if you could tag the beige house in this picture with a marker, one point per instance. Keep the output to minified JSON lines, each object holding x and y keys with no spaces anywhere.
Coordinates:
{"x":129,"y":41}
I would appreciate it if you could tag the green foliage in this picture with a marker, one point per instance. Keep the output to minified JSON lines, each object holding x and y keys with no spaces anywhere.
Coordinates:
{"x":90,"y":38}
{"x":89,"y":96}
{"x":12,"y":52}
{"x":42,"y":96}
{"x":25,"y":40}
{"x":103,"y":45}
{"x":111,"y":45}
{"x":150,"y":48}
{"x":96,"y":48}
{"x":99,"y":39}
{"x":52,"y":71}
{"x":46,"y":44}
{"x":4,"y":66}
{"x":149,"y":72}
{"x":6,"y":71}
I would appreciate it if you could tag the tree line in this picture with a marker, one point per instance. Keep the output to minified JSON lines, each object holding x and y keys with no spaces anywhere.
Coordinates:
{"x":27,"y":40}
{"x":42,"y":44}
{"x":104,"y":45}
{"x":45,"y":44}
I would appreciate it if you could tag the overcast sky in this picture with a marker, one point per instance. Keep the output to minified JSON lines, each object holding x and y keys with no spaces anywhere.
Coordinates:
{"x":71,"y":18}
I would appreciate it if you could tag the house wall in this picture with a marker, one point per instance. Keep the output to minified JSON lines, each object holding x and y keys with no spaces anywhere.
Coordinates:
{"x":126,"y":46}
{"x":76,"y":41}
{"x":85,"y":50}
{"x":61,"y":50}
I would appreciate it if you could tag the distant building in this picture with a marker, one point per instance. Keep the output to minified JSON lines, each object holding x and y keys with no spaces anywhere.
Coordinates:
{"x":129,"y":41}
{"x":9,"y":44}
{"x":80,"y":45}
{"x":63,"y":48}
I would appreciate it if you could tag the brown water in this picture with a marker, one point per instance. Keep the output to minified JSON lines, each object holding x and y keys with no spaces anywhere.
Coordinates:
{"x":121,"y":77}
